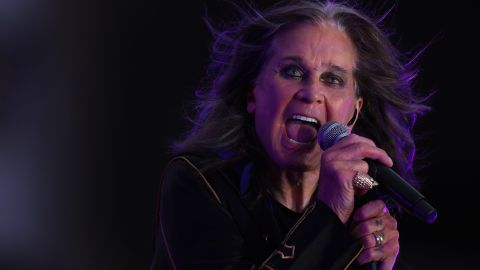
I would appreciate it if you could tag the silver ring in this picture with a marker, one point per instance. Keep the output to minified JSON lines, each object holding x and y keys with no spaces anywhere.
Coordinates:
{"x":379,"y":238}
{"x":364,"y":181}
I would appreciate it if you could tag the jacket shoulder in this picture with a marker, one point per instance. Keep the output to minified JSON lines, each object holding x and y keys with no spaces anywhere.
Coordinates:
{"x":187,"y":172}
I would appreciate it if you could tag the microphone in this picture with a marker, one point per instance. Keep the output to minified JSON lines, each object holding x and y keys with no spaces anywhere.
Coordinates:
{"x":402,"y":192}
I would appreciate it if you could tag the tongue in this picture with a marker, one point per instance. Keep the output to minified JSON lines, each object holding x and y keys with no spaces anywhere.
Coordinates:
{"x":300,"y":132}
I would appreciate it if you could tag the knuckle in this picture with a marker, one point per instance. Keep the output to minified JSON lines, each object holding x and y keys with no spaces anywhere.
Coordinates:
{"x":363,"y":166}
{"x":363,"y":147}
{"x":392,"y":222}
{"x":395,"y":235}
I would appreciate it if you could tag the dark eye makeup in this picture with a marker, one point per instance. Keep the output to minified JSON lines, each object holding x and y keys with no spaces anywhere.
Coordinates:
{"x":292,"y":72}
{"x":332,"y":79}
{"x":295,"y":72}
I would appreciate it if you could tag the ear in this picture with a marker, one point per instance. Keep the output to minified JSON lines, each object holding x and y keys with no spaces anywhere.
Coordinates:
{"x":356,"y":112}
{"x":251,"y":99}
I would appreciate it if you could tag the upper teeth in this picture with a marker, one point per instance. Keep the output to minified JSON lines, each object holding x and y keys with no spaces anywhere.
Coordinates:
{"x":305,"y":118}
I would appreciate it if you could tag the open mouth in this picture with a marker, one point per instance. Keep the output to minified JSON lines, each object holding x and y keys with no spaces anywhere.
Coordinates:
{"x":302,"y":129}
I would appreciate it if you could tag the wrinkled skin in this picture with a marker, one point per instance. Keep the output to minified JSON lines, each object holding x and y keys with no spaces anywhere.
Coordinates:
{"x":339,"y":165}
{"x":309,"y":72}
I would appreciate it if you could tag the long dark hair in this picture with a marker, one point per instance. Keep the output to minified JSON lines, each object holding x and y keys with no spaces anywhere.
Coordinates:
{"x":238,"y":53}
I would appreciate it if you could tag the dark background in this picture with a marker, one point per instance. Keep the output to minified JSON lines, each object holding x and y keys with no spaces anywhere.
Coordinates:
{"x":93,"y":92}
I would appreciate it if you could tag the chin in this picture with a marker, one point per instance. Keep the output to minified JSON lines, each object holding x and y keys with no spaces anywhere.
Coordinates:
{"x":299,"y":162}
{"x":288,"y":155}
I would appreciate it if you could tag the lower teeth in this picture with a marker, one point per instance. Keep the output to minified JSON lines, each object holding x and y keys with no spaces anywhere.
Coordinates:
{"x":297,"y":142}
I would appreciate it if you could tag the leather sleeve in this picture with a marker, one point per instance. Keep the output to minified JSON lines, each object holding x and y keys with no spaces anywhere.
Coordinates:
{"x":195,"y":231}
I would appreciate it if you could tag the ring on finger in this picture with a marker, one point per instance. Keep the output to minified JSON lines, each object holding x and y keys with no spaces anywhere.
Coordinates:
{"x":379,"y":238}
{"x":363,"y":181}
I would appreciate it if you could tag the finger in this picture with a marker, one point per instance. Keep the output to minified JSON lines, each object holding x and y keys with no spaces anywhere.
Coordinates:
{"x":388,"y":262}
{"x":357,"y":141}
{"x":378,"y":223}
{"x":390,"y":222}
{"x":350,"y":166}
{"x":363,"y":182}
{"x":353,"y":138}
{"x":369,"y":241}
{"x":346,"y":172}
{"x":369,"y":226}
{"x":341,"y":173}
{"x":362,"y":151}
{"x":379,"y":253}
{"x":369,"y":210}
{"x":359,"y":151}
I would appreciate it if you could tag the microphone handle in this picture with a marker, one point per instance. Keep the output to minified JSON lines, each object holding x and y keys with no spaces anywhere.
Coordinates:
{"x":370,"y":266}
{"x":402,"y":191}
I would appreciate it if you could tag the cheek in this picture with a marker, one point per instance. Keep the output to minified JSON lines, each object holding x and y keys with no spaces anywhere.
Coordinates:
{"x":271,"y":101}
{"x":344,"y":108}
{"x":266,"y":112}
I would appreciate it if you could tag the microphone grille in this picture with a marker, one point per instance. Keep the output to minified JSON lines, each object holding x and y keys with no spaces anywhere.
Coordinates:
{"x":330,"y":133}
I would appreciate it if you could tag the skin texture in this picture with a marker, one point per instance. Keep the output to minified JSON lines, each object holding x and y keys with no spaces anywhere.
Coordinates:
{"x":309,"y":72}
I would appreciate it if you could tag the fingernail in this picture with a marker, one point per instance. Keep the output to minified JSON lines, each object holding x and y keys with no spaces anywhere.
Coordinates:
{"x":385,"y":209}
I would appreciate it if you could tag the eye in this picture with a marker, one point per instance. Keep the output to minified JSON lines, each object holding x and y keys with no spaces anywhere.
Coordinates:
{"x":332,"y":79}
{"x":292,"y":72}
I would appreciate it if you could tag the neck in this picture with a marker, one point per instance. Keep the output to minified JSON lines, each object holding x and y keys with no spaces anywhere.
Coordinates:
{"x":296,"y":189}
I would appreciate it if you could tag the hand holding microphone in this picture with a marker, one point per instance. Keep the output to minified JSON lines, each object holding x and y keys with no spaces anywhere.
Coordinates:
{"x":371,"y":223}
{"x":380,"y":240}
{"x":340,"y":165}
{"x":403,"y":193}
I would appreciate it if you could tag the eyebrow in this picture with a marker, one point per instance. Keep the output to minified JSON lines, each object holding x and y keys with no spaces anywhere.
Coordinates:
{"x":331,"y":66}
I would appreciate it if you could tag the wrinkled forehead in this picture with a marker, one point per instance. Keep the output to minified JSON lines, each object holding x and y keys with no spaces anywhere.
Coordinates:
{"x":317,"y":43}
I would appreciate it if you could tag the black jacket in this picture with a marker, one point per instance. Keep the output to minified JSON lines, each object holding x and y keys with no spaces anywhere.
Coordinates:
{"x":211,"y":219}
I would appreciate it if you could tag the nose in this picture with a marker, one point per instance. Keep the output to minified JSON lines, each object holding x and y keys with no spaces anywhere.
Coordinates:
{"x":311,"y":92}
